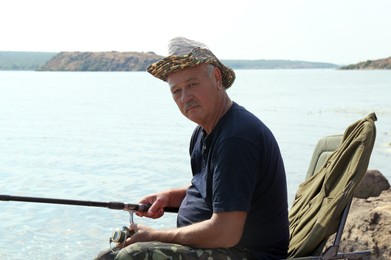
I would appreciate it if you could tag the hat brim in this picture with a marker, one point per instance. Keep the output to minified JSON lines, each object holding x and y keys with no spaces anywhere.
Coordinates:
{"x":174,"y":63}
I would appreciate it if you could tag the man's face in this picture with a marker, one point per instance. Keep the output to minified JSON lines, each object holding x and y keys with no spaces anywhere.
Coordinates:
{"x":197,"y":91}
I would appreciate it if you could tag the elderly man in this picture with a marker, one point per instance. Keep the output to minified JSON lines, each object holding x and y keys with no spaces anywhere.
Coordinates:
{"x":236,"y":206}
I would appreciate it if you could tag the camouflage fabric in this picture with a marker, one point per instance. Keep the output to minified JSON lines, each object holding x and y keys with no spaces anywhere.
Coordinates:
{"x":185,"y":53}
{"x":166,"y":251}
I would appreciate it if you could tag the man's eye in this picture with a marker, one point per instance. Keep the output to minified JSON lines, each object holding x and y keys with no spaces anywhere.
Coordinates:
{"x":176,"y":92}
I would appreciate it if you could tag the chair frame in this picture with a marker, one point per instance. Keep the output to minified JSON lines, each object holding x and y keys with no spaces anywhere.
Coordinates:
{"x":332,"y":251}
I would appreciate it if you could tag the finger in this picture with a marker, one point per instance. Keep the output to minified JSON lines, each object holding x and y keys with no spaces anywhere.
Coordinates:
{"x":141,"y":214}
{"x":148,"y":200}
{"x":157,"y":213}
{"x":150,"y":214}
{"x":133,"y":226}
{"x":157,"y":206}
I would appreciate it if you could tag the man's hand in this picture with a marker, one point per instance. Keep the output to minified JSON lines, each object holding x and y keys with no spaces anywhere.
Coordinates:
{"x":158,"y":202}
{"x":141,"y":233}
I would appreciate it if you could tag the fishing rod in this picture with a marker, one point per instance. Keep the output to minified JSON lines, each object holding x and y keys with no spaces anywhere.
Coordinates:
{"x":118,"y":235}
{"x":111,"y":205}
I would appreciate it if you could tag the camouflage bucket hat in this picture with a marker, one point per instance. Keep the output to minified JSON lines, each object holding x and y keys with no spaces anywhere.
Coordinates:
{"x":185,"y":53}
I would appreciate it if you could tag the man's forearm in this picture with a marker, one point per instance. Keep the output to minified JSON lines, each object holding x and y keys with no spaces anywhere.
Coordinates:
{"x":222,"y":230}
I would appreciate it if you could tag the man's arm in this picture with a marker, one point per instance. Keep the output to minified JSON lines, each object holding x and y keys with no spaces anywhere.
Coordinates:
{"x":221,"y":230}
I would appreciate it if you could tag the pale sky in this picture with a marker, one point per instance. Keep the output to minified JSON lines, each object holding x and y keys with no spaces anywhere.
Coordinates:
{"x":337,"y":31}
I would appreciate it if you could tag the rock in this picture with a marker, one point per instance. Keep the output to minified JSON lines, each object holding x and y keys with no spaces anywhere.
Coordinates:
{"x":368,"y":226}
{"x":371,"y":185}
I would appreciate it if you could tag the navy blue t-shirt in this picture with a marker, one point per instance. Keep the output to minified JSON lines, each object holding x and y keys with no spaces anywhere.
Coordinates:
{"x":238,"y":167}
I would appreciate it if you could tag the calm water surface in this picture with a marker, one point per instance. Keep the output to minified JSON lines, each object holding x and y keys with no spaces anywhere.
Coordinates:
{"x":119,"y":136}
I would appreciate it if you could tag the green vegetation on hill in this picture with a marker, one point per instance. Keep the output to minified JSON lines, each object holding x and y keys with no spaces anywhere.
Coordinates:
{"x":16,"y":60}
{"x":381,"y":64}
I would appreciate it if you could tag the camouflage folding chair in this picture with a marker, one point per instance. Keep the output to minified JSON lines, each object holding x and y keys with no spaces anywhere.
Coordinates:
{"x":322,"y":203}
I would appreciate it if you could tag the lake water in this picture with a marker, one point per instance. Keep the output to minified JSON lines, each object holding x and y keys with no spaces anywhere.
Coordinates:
{"x":119,"y":136}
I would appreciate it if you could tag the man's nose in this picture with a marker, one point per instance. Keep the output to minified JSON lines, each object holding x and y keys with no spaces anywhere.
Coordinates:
{"x":186,"y":96}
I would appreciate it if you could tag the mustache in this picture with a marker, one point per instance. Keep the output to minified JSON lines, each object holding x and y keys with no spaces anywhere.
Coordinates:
{"x":189,"y":105}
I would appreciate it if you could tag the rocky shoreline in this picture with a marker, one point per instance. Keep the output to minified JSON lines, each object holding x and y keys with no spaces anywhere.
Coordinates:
{"x":368,"y":226}
{"x":381,"y":64}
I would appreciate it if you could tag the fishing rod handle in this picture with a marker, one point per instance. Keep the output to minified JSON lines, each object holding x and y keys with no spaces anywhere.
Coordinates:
{"x":145,"y":208}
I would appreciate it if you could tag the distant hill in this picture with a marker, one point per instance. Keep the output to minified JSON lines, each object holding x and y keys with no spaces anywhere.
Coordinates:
{"x":381,"y":64}
{"x":135,"y":61}
{"x":124,"y":61}
{"x":277,"y":64}
{"x":100,"y":61}
{"x":18,"y":60}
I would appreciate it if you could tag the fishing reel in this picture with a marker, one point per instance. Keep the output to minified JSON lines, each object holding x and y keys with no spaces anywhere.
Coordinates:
{"x":119,"y":235}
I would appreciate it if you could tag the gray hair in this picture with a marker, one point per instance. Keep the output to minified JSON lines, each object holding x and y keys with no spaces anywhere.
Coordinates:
{"x":210,"y":68}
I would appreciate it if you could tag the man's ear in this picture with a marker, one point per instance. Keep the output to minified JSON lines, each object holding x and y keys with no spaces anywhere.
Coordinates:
{"x":218,"y":77}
